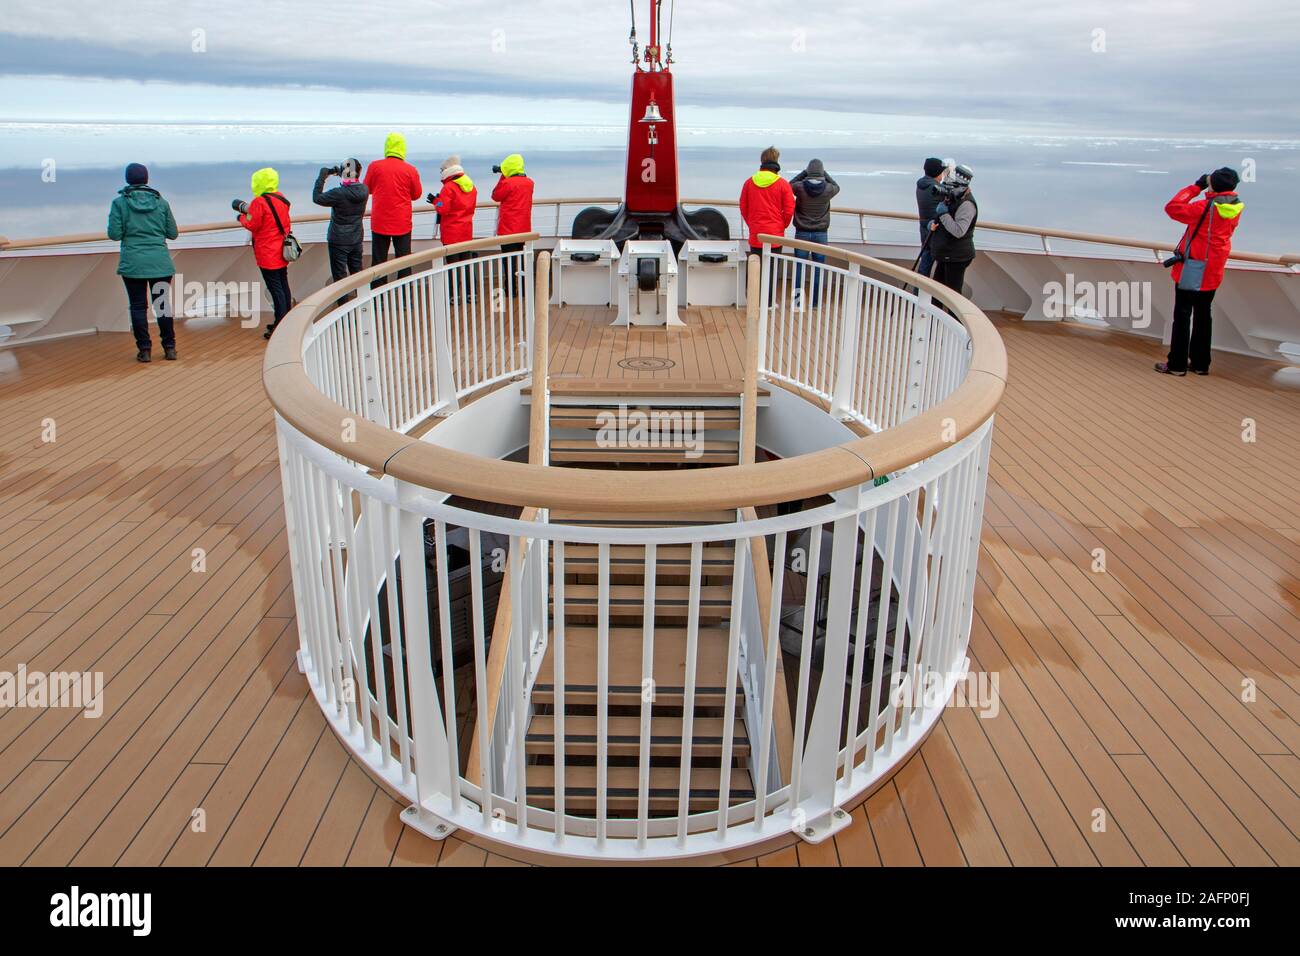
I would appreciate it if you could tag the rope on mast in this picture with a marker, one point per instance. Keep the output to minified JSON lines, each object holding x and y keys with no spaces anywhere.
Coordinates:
{"x":672,"y":11}
{"x":636,"y":55}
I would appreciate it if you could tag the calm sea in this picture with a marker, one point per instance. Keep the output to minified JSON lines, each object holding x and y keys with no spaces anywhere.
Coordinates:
{"x":60,"y":178}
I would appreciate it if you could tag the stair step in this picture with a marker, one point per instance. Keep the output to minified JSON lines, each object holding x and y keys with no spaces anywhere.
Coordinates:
{"x":715,"y":559}
{"x":642,"y":519}
{"x":589,"y":417}
{"x":669,"y":671}
{"x":592,"y":451}
{"x":623,"y":735}
{"x":643,"y":388}
{"x":628,"y":600}
{"x":621,"y":787}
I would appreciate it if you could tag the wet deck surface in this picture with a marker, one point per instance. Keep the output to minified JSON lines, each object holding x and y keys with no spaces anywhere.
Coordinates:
{"x":1121,"y":691}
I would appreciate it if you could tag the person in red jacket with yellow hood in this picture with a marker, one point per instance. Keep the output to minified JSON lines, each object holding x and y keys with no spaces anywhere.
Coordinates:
{"x":267,"y":218}
{"x":394,"y":184}
{"x":1200,"y":261}
{"x":766,"y":201}
{"x":513,"y":195}
{"x":455,"y":205}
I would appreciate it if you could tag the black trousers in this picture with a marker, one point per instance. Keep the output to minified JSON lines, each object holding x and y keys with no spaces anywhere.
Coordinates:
{"x":139,"y":292}
{"x":1189,"y":346}
{"x":951,"y":274}
{"x":277,"y":284}
{"x":345,"y":260}
{"x":379,"y":244}
{"x":515,"y":280}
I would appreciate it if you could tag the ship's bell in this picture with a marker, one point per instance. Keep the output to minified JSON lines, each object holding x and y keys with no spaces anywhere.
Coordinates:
{"x":652,"y":114}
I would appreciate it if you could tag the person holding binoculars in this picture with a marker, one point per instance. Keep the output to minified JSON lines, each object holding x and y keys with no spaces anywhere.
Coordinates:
{"x":267,"y":218}
{"x":347,"y":205}
{"x":1199,"y":263}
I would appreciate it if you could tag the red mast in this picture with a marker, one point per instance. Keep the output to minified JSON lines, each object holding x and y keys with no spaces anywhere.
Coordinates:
{"x":651,"y":185}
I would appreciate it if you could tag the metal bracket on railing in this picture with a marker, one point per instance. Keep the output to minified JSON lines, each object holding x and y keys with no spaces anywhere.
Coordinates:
{"x":824,"y":826}
{"x":429,"y":823}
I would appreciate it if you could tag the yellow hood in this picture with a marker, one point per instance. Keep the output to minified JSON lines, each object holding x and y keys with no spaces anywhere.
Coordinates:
{"x":265,"y":181}
{"x":464,"y":182}
{"x":764,"y":178}
{"x":512,"y":165}
{"x":1229,"y":210}
{"x":395,"y":145}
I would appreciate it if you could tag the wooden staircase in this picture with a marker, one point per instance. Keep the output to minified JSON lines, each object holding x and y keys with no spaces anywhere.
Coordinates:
{"x":578,"y":413}
{"x":651,"y":423}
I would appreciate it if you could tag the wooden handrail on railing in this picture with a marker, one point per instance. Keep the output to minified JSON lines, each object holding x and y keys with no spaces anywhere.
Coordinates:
{"x":1284,"y":259}
{"x":454,"y":472}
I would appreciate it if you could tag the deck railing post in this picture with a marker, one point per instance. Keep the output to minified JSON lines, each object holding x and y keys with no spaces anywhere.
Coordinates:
{"x":918,"y":344}
{"x":433,"y":776}
{"x":850,"y":329}
{"x":443,"y":342}
{"x":374,"y":392}
{"x":816,"y":814}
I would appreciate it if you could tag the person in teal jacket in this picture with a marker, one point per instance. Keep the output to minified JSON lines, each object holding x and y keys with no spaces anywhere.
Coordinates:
{"x":142,"y":221}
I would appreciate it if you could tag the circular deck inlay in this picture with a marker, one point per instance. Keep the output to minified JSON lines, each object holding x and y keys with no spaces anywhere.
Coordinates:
{"x":646,"y":363}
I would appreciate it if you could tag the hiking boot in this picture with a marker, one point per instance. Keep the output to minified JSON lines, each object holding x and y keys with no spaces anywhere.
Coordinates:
{"x":169,"y":355}
{"x":143,"y":356}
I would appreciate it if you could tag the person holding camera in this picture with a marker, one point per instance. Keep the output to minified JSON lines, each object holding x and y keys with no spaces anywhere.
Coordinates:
{"x":1199,"y":263}
{"x":347,"y":206}
{"x":952,"y":232}
{"x":142,"y":221}
{"x":929,"y":193}
{"x":513,"y":195}
{"x":267,"y":218}
{"x":455,"y":205}
{"x":394,"y":184}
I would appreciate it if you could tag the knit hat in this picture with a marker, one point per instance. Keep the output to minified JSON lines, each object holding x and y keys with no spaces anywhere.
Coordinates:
{"x":351,"y":169}
{"x":934,"y":166}
{"x":136,"y":174}
{"x":815,"y":169}
{"x":961,"y":175}
{"x":1224,"y":180}
{"x":451,"y":168}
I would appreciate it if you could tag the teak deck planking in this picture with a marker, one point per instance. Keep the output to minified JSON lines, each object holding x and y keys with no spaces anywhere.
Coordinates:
{"x":1120,"y":691}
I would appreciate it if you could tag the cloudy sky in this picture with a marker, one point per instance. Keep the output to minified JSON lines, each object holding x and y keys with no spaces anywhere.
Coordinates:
{"x":1144,"y":67}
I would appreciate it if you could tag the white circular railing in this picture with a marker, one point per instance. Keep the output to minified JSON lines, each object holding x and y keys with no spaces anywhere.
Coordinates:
{"x":886,"y":568}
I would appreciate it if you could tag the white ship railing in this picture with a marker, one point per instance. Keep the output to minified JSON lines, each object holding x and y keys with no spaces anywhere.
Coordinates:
{"x":373,"y":516}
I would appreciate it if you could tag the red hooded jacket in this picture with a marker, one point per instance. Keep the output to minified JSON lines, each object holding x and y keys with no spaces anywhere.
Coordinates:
{"x":1213,"y":240}
{"x":767,"y":205}
{"x":514,"y":196}
{"x":268,"y":240}
{"x":394,"y":184}
{"x":455,"y":205}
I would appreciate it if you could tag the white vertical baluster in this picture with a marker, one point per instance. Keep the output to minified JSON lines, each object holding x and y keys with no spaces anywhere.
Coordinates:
{"x":739,"y":569}
{"x":647,"y":697}
{"x":688,"y":696}
{"x":772,"y":650}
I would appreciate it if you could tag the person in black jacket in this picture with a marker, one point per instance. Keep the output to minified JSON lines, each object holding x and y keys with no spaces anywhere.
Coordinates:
{"x":952,"y":233}
{"x":347,"y":204}
{"x":928,"y":196}
{"x":813,"y":191}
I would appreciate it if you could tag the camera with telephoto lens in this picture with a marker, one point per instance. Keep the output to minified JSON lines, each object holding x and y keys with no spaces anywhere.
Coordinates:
{"x":239,"y":206}
{"x":496,"y":169}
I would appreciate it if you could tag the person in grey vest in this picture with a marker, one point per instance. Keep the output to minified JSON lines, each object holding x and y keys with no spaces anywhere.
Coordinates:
{"x":952,"y":233}
{"x":928,"y":196}
{"x":813,"y":191}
